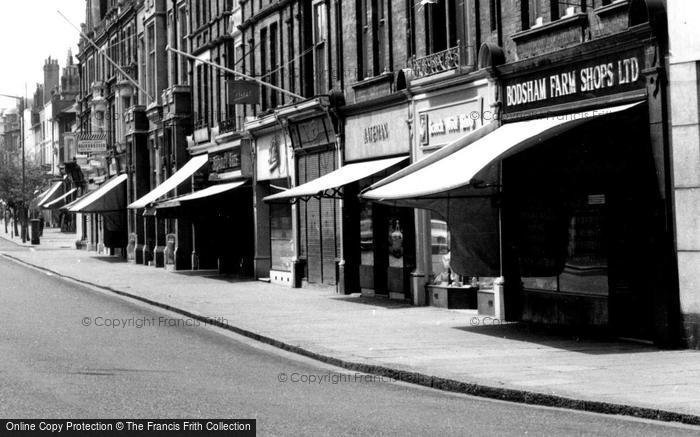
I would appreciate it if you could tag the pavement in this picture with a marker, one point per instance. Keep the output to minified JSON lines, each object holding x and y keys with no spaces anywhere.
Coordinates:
{"x":453,"y":350}
{"x":59,"y":358}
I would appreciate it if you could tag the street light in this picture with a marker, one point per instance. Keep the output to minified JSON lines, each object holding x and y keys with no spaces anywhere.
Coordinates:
{"x":24,"y":182}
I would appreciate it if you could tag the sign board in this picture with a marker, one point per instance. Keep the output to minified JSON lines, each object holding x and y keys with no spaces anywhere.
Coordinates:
{"x":600,"y":76}
{"x":377,"y":133}
{"x":316,"y":131}
{"x":92,"y":143}
{"x":444,"y":124}
{"x":273,"y":156}
{"x":228,"y":160}
{"x":201,"y":135}
{"x":243,"y":92}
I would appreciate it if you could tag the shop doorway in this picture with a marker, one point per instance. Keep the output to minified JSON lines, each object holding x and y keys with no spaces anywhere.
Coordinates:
{"x":387,"y":249}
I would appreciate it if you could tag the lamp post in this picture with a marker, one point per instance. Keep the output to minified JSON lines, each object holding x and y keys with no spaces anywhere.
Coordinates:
{"x":24,"y":178}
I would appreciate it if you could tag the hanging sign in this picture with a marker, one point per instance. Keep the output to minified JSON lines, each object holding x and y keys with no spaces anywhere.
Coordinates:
{"x":92,"y":143}
{"x":242,"y":92}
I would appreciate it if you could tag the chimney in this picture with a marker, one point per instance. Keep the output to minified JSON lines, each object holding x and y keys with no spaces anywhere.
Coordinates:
{"x":50,"y":78}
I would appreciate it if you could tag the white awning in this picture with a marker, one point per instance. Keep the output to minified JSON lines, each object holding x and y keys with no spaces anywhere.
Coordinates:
{"x":61,"y":201}
{"x":68,"y":206}
{"x":180,"y":176}
{"x":201,"y":194}
{"x":51,"y":194}
{"x":471,"y":158}
{"x":345,"y":175}
{"x":110,"y":197}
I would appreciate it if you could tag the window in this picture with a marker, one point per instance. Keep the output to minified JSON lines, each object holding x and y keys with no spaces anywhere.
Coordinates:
{"x":142,"y":68}
{"x":216,"y":93}
{"x":363,"y":21}
{"x":563,"y":8}
{"x":382,"y":38}
{"x":263,"y":66}
{"x":273,"y":63}
{"x":320,"y":47}
{"x":441,"y":25}
{"x":151,"y":63}
{"x":172,"y":59}
{"x":182,"y":43}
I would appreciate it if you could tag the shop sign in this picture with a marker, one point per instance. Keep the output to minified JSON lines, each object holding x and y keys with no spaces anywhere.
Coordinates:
{"x":201,"y":135}
{"x":316,"y":131}
{"x":377,"y":133}
{"x":92,"y":143}
{"x":243,"y":92}
{"x":272,"y":156}
{"x":597,"y":77}
{"x":223,"y":162}
{"x":445,"y":124}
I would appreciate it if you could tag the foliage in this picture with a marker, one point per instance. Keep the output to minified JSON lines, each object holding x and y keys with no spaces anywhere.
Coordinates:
{"x":36,"y":180}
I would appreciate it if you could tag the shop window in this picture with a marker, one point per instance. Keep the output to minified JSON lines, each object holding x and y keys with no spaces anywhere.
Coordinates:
{"x":366,"y":235}
{"x":396,"y":240}
{"x":440,"y":250}
{"x":572,"y":247}
{"x":281,"y":239}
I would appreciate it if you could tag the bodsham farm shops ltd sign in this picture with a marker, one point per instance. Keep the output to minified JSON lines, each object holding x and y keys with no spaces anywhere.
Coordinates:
{"x":586,"y":79}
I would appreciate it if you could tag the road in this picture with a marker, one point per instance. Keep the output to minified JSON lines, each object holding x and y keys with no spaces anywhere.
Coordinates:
{"x":59,"y":360}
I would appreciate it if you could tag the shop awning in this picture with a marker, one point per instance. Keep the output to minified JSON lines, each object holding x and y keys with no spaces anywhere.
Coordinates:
{"x":60,"y":201}
{"x":472,"y":160}
{"x":209,"y":192}
{"x":110,"y":197}
{"x":180,"y":176}
{"x":328,"y":184}
{"x":68,"y":206}
{"x":52,"y":194}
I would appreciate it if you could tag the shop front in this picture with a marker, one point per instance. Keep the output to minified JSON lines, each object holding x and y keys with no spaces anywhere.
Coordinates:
{"x":568,"y":195}
{"x":379,"y":249}
{"x":106,"y":207}
{"x":275,"y":247}
{"x":312,"y":130}
{"x":442,"y":114}
{"x":219,"y":211}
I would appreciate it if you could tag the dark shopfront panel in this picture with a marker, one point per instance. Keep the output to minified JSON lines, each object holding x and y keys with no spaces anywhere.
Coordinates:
{"x":582,"y":227}
{"x":222,"y":230}
{"x":318,"y":221}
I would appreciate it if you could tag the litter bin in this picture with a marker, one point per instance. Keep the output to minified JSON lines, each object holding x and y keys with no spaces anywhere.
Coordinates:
{"x":35,"y":230}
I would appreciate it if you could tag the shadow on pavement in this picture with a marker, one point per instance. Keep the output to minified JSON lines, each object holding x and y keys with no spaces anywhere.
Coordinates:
{"x":571,"y":340}
{"x":377,"y":301}
{"x":109,"y":259}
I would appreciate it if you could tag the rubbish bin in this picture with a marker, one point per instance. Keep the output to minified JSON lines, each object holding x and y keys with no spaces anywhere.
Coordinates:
{"x":35,"y":230}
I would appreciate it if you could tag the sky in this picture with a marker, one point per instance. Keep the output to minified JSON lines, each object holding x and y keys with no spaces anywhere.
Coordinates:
{"x":30,"y":32}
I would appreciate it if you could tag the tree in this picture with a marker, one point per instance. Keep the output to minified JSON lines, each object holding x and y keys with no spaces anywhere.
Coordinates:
{"x":11,"y":183}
